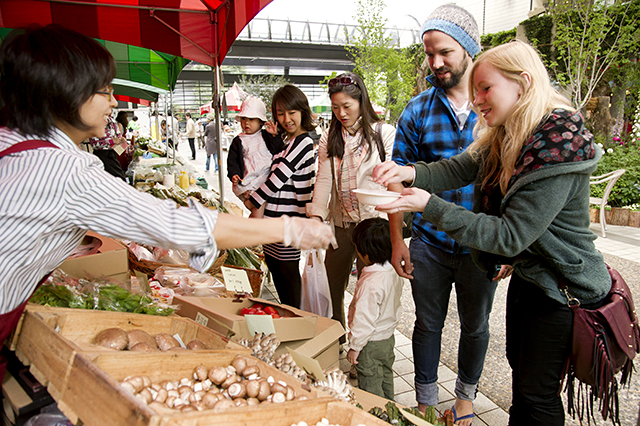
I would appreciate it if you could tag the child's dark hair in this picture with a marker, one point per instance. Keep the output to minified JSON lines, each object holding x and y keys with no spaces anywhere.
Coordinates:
{"x":289,"y":97}
{"x":372,"y":238}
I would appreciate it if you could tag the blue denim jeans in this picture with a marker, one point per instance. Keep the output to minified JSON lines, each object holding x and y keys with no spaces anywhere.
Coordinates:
{"x":435,"y":271}
{"x":215,"y":161}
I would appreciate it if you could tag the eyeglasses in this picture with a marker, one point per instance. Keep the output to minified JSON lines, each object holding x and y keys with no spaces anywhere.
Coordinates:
{"x":109,"y":93}
{"x":345,"y":80}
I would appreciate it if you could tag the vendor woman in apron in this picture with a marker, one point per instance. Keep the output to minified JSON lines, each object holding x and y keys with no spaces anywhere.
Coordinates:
{"x":56,"y":93}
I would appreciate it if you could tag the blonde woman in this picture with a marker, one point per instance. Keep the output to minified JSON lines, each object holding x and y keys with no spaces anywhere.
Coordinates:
{"x":530,"y":162}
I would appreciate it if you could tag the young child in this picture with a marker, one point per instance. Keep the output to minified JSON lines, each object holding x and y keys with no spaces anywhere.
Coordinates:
{"x":374,"y":310}
{"x":252,"y":151}
{"x":289,"y":186}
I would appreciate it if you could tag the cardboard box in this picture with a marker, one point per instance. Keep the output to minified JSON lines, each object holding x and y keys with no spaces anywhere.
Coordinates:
{"x":223,"y":315}
{"x":111,"y":261}
{"x":324,"y":347}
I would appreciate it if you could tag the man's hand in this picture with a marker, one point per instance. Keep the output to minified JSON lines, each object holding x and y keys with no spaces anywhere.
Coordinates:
{"x":401,"y":260}
{"x":235,"y":179}
{"x":352,"y":356}
{"x":505,"y":271}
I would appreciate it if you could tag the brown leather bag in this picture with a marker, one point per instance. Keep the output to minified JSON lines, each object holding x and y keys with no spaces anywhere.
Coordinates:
{"x":605,"y":341}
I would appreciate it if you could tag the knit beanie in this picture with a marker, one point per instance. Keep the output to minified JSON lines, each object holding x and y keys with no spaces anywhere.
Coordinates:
{"x":457,"y":23}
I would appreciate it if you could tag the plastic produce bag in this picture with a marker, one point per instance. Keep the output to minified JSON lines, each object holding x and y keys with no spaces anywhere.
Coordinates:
{"x":316,"y":297}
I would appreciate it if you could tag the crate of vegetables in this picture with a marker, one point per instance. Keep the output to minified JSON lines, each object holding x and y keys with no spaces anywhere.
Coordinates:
{"x":49,"y":338}
{"x":181,"y":389}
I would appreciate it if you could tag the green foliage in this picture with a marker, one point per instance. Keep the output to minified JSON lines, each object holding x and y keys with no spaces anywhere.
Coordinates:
{"x":263,"y":87}
{"x":388,"y":72}
{"x":623,"y":154}
{"x":539,"y":31}
{"x":591,"y":37}
{"x":496,"y":39}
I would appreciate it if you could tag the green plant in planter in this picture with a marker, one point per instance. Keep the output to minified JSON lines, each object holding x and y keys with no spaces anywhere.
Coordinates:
{"x":620,"y":154}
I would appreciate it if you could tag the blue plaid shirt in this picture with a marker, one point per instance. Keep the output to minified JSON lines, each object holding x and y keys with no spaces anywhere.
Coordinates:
{"x":428,"y":131}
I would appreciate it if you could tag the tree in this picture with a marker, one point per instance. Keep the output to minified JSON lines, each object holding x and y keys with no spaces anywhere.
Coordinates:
{"x":263,"y":87}
{"x":590,"y":37}
{"x":387,"y":71}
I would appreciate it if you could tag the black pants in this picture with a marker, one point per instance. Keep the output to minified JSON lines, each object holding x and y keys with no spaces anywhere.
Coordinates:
{"x":192,"y":145}
{"x":287,"y":280}
{"x":111,"y":163}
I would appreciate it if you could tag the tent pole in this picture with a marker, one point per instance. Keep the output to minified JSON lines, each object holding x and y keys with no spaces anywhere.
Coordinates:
{"x":173,"y":128}
{"x":216,"y":107}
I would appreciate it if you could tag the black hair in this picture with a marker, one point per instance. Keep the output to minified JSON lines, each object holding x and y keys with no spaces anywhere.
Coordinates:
{"x":47,"y":74}
{"x":188,"y":114}
{"x":372,"y":238}
{"x":122,"y":119}
{"x":358,"y":91}
{"x":289,"y":97}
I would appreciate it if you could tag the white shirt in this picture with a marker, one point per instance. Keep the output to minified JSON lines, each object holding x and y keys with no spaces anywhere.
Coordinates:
{"x":50,"y":197}
{"x":374,"y":311}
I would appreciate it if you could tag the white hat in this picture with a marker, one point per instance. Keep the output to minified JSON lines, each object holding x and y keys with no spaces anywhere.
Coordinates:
{"x":253,"y":107}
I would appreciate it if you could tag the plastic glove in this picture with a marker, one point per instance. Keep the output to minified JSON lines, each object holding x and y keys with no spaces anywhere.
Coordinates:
{"x":306,"y":234}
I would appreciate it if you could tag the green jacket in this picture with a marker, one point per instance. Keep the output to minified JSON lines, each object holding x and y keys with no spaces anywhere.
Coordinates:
{"x":544,"y":229}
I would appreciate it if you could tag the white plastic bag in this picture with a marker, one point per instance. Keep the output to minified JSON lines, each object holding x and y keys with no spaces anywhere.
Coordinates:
{"x":316,"y":296}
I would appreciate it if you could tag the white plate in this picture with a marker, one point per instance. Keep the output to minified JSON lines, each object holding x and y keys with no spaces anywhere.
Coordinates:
{"x":375,"y":197}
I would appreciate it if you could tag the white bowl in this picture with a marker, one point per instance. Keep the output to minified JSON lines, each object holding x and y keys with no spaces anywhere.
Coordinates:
{"x":375,"y":197}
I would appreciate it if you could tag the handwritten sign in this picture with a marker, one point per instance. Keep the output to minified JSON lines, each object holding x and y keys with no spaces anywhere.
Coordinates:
{"x":236,"y":280}
{"x":310,"y":365}
{"x":260,"y":324}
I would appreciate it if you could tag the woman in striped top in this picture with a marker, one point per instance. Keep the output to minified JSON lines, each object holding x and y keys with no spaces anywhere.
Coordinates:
{"x":56,"y":90}
{"x":289,"y":186}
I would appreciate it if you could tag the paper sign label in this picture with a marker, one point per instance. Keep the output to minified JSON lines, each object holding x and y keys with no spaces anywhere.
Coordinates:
{"x":236,"y":280}
{"x":201,"y":319}
{"x":310,"y":365}
{"x":118,"y":149}
{"x":260,"y":324}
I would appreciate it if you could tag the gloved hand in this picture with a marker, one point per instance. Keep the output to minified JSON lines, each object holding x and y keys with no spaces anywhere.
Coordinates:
{"x":306,"y":234}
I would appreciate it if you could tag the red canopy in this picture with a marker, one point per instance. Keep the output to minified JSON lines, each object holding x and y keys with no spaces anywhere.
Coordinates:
{"x":200,"y":30}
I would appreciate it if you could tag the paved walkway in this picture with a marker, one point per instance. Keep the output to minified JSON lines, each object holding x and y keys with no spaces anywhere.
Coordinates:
{"x":621,"y":241}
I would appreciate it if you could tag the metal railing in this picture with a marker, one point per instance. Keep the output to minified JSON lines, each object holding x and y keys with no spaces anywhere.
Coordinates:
{"x":318,"y":32}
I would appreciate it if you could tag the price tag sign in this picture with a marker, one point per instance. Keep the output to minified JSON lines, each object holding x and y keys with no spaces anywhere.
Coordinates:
{"x":308,"y":364}
{"x":260,"y":324}
{"x":236,"y":280}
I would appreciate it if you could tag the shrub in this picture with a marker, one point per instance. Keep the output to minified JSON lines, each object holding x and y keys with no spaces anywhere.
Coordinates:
{"x":622,"y":153}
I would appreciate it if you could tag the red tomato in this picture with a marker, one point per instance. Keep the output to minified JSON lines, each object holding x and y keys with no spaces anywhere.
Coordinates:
{"x":258,"y":306}
{"x":270,"y":310}
{"x":244,"y":311}
{"x":274,"y":316}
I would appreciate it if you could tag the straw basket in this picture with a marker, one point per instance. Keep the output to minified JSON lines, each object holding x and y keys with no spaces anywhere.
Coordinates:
{"x":149,"y":267}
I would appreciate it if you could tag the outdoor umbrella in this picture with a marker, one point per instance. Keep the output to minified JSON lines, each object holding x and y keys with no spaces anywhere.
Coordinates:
{"x":202,"y":31}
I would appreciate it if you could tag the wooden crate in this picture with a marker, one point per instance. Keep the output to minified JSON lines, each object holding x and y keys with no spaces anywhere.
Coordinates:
{"x":48,"y":338}
{"x":92,"y":392}
{"x":311,"y":412}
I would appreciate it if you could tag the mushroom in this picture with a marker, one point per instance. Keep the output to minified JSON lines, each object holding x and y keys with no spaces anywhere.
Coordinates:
{"x":197,"y":345}
{"x":253,"y":388}
{"x":239,"y":363}
{"x":112,"y":338}
{"x":223,"y":404}
{"x":217,"y":375}
{"x":237,"y":390}
{"x":265,"y":390}
{"x":165,"y":341}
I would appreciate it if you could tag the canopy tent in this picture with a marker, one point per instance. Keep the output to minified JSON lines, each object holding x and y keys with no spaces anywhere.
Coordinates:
{"x":200,"y":30}
{"x":321,"y":104}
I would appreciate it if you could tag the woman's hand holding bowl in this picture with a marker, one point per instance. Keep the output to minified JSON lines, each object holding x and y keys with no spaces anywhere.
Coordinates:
{"x":411,"y":200}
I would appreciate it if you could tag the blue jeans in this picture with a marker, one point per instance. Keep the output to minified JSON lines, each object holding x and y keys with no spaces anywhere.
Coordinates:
{"x":434,"y":273}
{"x":215,"y":161}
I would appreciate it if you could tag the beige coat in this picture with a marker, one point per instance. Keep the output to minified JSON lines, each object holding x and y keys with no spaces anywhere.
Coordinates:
{"x":325,"y":202}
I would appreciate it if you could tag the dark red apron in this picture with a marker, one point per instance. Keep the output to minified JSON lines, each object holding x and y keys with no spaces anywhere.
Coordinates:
{"x":9,"y":321}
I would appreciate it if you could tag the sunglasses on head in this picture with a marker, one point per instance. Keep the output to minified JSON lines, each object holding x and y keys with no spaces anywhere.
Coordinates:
{"x":345,"y":80}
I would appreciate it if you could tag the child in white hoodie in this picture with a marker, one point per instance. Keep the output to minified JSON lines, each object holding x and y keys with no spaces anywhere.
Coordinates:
{"x":375,"y":309}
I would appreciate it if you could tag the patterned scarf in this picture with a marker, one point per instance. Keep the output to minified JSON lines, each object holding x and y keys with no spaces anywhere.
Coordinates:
{"x":347,"y":172}
{"x":561,"y":138}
